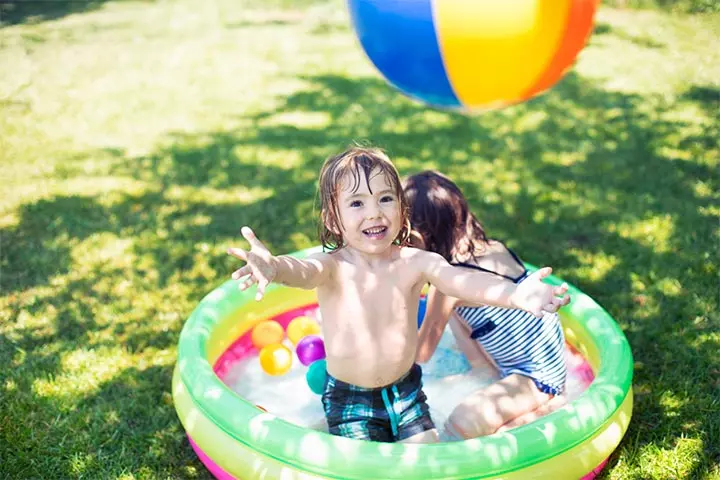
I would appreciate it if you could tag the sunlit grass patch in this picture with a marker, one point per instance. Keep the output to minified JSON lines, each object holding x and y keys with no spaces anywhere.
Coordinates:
{"x":136,"y":138}
{"x":83,"y":371}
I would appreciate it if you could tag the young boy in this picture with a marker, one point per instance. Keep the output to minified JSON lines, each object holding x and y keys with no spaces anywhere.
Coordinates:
{"x":368,"y":287}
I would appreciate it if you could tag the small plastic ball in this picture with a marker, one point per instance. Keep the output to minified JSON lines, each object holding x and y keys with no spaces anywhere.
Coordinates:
{"x":266,"y":333}
{"x":275,"y":359}
{"x":310,"y":349}
{"x":301,"y":327}
{"x":316,"y":376}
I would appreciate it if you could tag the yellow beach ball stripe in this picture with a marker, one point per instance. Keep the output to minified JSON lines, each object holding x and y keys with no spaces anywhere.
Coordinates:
{"x":495,"y":51}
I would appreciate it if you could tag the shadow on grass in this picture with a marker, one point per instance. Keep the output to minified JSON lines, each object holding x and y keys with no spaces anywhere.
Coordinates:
{"x":602,"y":28}
{"x":127,"y":424}
{"x":260,"y":23}
{"x":36,"y":11}
{"x":609,"y":152}
{"x":708,"y":98}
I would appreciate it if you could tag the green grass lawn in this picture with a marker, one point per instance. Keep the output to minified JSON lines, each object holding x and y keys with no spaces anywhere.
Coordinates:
{"x":137,"y":137}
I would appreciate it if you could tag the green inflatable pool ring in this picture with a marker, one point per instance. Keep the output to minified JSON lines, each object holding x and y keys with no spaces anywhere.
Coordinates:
{"x":244,"y":442}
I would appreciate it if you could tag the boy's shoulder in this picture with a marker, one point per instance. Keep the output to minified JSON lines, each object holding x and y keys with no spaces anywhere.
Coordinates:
{"x":326,"y":258}
{"x":412,"y":254}
{"x":407,"y":253}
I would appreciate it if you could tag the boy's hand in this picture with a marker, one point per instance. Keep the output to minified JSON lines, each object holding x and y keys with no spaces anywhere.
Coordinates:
{"x":537,"y":297}
{"x":260,"y":264}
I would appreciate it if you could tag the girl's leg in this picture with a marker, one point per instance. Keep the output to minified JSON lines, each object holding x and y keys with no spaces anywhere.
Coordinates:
{"x":485,"y":411}
{"x":428,"y":436}
{"x":553,"y":404}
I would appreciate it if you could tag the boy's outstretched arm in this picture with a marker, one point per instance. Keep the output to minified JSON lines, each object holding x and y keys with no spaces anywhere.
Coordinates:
{"x":263,"y":267}
{"x":536,"y":296}
{"x":532,"y":295}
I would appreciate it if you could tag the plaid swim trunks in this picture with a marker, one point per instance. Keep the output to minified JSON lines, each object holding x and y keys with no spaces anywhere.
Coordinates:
{"x":385,"y":414}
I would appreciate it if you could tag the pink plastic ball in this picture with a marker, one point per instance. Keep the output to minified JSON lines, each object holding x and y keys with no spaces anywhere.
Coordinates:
{"x":309,"y":349}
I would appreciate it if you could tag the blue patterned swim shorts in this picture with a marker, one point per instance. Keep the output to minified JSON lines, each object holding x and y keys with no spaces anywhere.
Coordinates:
{"x":385,"y":414}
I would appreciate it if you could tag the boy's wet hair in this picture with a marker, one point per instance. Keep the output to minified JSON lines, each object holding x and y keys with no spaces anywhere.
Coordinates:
{"x":440,"y":214}
{"x":349,"y":165}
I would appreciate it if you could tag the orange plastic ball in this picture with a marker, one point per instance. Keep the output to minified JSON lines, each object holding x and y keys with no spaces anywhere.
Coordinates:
{"x":275,"y":359}
{"x":266,"y":333}
{"x":301,"y":327}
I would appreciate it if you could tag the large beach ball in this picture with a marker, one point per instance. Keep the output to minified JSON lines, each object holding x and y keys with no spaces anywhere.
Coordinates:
{"x":472,"y":54}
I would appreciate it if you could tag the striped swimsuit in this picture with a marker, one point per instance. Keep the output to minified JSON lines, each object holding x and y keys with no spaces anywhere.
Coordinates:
{"x":517,"y":341}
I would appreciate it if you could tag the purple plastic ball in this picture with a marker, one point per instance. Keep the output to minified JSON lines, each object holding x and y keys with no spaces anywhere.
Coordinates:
{"x":309,"y":349}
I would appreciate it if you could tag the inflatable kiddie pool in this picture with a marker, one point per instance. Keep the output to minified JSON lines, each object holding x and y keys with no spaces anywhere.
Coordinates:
{"x":236,"y":439}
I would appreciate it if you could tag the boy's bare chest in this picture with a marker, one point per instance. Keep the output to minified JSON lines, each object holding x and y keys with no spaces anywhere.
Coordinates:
{"x":371,"y":302}
{"x":378,"y":294}
{"x":392,"y":279}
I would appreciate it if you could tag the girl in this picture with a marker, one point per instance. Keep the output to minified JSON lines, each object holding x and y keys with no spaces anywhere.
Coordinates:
{"x":368,"y":287}
{"x":528,"y":351}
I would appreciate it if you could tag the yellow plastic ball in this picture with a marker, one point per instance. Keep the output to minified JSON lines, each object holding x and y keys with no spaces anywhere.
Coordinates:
{"x":266,"y":333}
{"x":301,"y":327}
{"x":275,"y":359}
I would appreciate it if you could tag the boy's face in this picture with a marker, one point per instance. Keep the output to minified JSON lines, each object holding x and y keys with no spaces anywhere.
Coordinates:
{"x":370,"y":217}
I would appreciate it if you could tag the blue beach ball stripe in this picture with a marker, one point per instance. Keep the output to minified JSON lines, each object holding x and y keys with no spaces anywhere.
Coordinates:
{"x":392,"y":32}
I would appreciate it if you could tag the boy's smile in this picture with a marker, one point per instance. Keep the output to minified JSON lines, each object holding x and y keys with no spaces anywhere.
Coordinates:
{"x":375,"y":233}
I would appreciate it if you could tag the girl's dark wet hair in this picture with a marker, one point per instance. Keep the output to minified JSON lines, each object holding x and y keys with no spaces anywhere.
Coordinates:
{"x":349,"y":164}
{"x":440,"y":213}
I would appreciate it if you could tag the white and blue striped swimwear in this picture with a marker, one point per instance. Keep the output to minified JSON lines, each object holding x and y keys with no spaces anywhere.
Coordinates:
{"x":519,"y":342}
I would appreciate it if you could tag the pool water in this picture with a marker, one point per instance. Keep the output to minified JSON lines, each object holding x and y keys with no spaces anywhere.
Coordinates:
{"x":447,"y":379}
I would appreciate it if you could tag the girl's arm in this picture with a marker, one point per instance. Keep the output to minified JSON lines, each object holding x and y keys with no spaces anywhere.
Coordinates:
{"x":262,"y":267}
{"x":476,"y":287}
{"x":437,"y":312}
